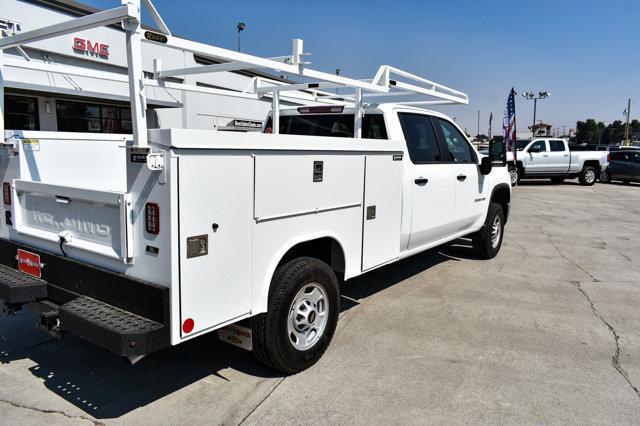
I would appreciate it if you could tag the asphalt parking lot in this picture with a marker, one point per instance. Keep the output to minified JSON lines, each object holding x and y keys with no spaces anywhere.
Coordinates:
{"x":547,"y":332}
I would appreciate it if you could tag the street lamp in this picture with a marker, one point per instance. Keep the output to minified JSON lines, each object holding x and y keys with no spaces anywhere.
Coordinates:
{"x":241,"y":26}
{"x":529,"y":96}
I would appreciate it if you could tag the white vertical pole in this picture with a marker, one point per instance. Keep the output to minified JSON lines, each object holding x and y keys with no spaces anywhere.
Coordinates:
{"x":136,"y":76}
{"x":1,"y":92}
{"x":275,"y":112}
{"x":357,"y":125}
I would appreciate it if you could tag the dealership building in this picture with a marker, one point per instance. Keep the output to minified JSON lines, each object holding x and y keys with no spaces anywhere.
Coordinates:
{"x":40,"y":98}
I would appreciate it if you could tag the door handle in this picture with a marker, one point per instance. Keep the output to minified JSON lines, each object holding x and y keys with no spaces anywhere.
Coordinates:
{"x":566,"y":155}
{"x":545,"y":155}
{"x":461,"y":178}
{"x":421,"y":181}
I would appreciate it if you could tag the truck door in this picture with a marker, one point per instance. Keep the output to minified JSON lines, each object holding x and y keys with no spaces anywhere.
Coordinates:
{"x":470,"y":203}
{"x":536,"y":158}
{"x":558,"y":156}
{"x":432,"y":182}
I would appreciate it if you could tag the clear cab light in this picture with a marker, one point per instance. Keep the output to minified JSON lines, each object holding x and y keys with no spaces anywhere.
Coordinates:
{"x":152,"y":218}
{"x":321,"y":109}
{"x":6,"y":193}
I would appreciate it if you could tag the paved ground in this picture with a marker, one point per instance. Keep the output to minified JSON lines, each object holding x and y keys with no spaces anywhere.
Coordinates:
{"x":548,"y":332}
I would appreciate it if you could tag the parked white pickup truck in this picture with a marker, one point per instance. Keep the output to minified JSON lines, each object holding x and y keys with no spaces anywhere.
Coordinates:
{"x":551,"y":158}
{"x":138,"y":242}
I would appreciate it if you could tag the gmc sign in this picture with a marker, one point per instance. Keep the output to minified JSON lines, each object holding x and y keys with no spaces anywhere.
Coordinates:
{"x":82,"y":45}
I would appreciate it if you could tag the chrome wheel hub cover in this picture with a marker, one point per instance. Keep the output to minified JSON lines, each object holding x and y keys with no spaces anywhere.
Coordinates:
{"x":307,"y":318}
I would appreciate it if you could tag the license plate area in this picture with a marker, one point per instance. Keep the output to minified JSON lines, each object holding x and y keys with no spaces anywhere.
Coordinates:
{"x":90,"y":220}
{"x":29,"y":263}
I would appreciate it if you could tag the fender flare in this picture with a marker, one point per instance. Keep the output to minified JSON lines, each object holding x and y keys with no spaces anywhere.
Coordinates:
{"x":500,"y":187}
{"x":261,"y":289}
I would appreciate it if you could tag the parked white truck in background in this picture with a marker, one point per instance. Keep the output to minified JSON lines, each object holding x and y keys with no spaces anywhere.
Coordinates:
{"x":551,"y":158}
{"x":138,"y":242}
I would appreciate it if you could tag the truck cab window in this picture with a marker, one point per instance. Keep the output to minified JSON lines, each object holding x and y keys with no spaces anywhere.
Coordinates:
{"x":539,"y":144}
{"x":335,"y":125}
{"x":556,"y":146}
{"x":421,"y":138}
{"x":456,"y":142}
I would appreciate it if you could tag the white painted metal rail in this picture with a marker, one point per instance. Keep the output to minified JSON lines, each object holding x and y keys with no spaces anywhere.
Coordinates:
{"x":387,"y":82}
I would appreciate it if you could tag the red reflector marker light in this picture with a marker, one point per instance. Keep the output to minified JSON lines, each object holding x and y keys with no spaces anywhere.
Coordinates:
{"x":152,"y":218}
{"x":608,"y":158}
{"x":6,"y":193}
{"x":187,"y":325}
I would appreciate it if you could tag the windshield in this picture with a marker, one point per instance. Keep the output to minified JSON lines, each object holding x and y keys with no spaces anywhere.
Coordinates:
{"x":522,"y":143}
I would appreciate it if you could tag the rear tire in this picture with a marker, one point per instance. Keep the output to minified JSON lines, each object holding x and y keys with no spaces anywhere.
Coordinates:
{"x":304,"y":294}
{"x":557,"y":180}
{"x":588,"y":175}
{"x":488,"y":240}
{"x":605,"y":177}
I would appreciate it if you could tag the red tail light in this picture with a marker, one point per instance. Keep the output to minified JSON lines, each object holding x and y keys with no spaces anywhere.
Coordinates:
{"x":6,"y":193}
{"x":608,"y":158}
{"x":152,"y":218}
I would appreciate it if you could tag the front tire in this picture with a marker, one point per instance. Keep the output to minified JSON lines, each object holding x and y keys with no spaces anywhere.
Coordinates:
{"x":302,"y":314}
{"x":488,"y":240}
{"x":514,"y":175}
{"x":588,"y":175}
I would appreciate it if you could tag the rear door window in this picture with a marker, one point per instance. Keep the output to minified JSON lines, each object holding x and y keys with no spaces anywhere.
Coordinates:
{"x":556,"y":146}
{"x":420,"y":137}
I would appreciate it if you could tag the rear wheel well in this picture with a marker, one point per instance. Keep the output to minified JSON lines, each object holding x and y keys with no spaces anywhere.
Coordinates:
{"x":325,"y":249}
{"x":502,"y":196}
{"x":592,"y":163}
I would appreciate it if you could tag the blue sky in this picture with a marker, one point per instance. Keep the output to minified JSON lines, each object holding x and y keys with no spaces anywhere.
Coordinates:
{"x":585,"y":52}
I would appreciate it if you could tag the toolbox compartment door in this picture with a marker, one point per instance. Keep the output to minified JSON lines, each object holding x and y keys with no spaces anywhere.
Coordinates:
{"x":382,"y":210}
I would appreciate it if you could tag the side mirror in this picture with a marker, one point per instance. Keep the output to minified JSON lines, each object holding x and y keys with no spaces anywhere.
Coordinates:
{"x":497,"y":153}
{"x":486,"y":165}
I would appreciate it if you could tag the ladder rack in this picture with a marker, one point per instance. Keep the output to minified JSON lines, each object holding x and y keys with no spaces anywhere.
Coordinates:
{"x":388,"y":81}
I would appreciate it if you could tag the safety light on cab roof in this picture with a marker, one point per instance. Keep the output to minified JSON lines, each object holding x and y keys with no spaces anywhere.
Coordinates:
{"x":152,"y":218}
{"x":321,"y":109}
{"x":6,"y":193}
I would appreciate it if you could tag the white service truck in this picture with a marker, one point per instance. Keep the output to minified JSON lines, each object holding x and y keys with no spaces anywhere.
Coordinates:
{"x":138,"y":242}
{"x":552,"y":158}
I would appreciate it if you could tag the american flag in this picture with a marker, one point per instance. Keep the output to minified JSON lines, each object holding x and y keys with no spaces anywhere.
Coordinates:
{"x":509,"y":123}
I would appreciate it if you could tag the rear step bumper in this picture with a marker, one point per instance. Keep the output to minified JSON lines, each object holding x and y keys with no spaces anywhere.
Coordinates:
{"x":126,"y":316}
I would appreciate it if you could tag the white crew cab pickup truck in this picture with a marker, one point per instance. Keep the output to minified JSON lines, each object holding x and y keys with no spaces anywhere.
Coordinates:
{"x":551,"y":158}
{"x":138,"y":242}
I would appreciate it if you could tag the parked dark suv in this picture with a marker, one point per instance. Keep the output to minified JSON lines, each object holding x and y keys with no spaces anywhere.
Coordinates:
{"x":623,"y":165}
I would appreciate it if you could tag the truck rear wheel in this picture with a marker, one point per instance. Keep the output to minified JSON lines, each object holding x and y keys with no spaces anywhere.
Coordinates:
{"x":588,"y":175}
{"x":304,"y":301}
{"x":488,"y":240}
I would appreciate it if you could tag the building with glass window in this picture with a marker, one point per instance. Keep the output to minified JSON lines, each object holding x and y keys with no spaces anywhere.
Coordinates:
{"x":36,"y":99}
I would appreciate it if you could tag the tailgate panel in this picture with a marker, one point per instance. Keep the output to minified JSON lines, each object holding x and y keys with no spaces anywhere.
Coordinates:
{"x":98,"y":221}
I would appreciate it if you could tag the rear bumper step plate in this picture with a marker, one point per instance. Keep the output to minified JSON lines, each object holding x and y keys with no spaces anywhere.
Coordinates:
{"x":17,"y":287}
{"x":112,"y":328}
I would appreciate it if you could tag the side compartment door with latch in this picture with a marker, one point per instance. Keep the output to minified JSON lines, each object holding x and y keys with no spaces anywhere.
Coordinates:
{"x":382,"y":209}
{"x":215,"y":203}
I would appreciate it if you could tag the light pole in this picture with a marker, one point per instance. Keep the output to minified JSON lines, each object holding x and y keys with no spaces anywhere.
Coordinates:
{"x":530,"y":96}
{"x":241,"y":26}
